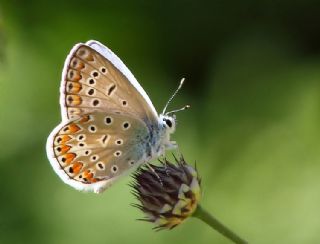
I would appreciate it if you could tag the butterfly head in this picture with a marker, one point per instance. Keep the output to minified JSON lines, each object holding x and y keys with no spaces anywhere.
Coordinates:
{"x":168,"y":123}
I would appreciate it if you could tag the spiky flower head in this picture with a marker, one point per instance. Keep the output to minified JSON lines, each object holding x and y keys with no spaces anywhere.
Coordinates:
{"x":168,"y":193}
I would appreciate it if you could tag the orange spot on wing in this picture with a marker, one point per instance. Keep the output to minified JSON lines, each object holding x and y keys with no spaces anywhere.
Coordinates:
{"x":77,"y":64}
{"x":76,"y":76}
{"x":74,"y":87}
{"x":69,"y":157}
{"x":73,"y":128}
{"x":65,"y":148}
{"x":89,"y":176}
{"x":73,"y":100}
{"x":80,"y":66}
{"x":85,"y":119}
{"x":77,"y":87}
{"x":64,"y":139}
{"x":77,"y":166}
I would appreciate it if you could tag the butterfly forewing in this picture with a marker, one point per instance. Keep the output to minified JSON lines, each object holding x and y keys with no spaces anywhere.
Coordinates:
{"x":92,"y":83}
{"x":97,"y":147}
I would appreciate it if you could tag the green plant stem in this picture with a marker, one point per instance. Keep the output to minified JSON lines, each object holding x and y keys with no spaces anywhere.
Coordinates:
{"x":206,"y":217}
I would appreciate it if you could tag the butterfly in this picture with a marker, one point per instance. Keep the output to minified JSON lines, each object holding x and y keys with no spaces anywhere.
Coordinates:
{"x":109,"y":124}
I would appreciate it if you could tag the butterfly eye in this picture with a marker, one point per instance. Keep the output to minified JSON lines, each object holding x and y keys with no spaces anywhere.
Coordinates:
{"x":168,"y":122}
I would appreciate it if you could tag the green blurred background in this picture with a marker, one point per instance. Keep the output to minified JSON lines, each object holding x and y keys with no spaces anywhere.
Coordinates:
{"x":252,"y":78}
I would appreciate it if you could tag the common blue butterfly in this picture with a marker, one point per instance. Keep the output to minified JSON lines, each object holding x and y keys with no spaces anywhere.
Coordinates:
{"x":109,"y":124}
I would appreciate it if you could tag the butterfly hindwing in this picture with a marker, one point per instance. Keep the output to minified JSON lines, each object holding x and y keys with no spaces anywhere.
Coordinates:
{"x":91,"y":82}
{"x":91,"y":151}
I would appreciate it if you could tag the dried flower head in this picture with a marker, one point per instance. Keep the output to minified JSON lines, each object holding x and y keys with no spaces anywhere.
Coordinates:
{"x":168,"y":193}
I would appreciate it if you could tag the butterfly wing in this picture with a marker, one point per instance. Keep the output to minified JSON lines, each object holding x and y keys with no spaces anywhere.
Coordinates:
{"x":90,"y":152}
{"x":95,"y":79}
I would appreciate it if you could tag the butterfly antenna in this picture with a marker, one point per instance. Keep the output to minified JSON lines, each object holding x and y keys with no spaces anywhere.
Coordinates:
{"x":178,"y":110}
{"x":174,"y":94}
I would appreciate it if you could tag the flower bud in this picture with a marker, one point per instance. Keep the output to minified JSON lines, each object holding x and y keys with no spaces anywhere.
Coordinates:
{"x":168,"y":194}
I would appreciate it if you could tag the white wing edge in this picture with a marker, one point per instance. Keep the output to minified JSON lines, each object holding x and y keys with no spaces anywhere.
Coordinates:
{"x":116,"y":61}
{"x":97,"y":187}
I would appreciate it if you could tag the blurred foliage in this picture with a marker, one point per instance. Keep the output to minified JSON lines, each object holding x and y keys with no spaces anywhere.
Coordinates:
{"x":253,"y":81}
{"x":2,"y":42}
